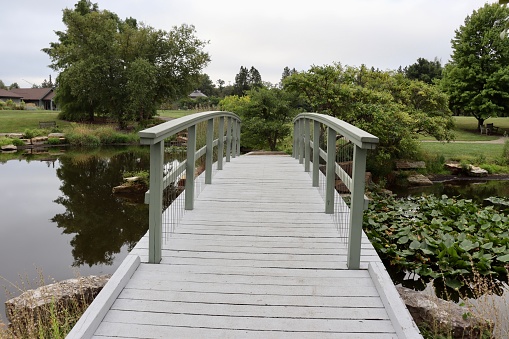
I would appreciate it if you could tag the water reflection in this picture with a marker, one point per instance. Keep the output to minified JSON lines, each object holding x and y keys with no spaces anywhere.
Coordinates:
{"x":99,"y":222}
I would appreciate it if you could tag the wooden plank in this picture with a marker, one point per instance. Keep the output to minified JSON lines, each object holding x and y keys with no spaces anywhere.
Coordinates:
{"x":130,"y":318}
{"x":90,"y":320}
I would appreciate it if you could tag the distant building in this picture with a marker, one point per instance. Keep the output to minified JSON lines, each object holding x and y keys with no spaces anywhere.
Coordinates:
{"x":41,"y":97}
{"x":9,"y":95}
{"x":197,"y":94}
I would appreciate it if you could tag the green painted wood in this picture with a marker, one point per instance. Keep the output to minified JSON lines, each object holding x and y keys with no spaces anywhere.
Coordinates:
{"x":155,"y":201}
{"x":228,"y":139}
{"x":191,"y":160}
{"x":316,"y":153}
{"x":357,"y":207}
{"x":238,"y":137}
{"x":220,"y":145}
{"x":301,"y":141}
{"x":330,"y":173}
{"x":307,"y":146}
{"x":209,"y":151}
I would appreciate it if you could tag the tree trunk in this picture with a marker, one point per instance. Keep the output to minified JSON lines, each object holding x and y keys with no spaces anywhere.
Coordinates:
{"x":480,"y":122}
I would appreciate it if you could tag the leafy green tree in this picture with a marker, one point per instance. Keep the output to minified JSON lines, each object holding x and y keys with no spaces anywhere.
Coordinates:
{"x":206,"y":86}
{"x":386,"y":104}
{"x":241,"y":81}
{"x":477,"y":78}
{"x":254,"y":79}
{"x":266,"y":116}
{"x":14,"y":85}
{"x":2,"y":85}
{"x":287,"y":72}
{"x":424,"y":70}
{"x":107,"y":64}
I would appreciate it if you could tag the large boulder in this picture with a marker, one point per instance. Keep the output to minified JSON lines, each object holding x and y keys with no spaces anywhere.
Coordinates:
{"x":443,"y":316}
{"x":37,"y":303}
{"x":419,"y":180}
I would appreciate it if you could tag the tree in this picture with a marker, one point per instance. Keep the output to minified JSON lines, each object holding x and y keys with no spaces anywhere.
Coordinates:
{"x":287,"y":72}
{"x":220,"y":83}
{"x":241,"y":81}
{"x":254,"y":78}
{"x":14,"y":85}
{"x":119,"y":68}
{"x":477,"y":78}
{"x":266,"y":115}
{"x":386,"y":104}
{"x":2,"y":85}
{"x":424,"y":70}
{"x":206,"y":86}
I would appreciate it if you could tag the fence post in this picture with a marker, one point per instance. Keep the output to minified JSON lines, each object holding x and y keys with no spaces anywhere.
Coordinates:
{"x":190,"y":163}
{"x":238,"y":137}
{"x":301,"y":141}
{"x":356,"y":208}
{"x":234,"y":138}
{"x":220,"y":144}
{"x":155,"y":202}
{"x":209,"y":151}
{"x":228,"y":138}
{"x":295,"y":151}
{"x":316,"y":153}
{"x":307,"y":146}
{"x":330,"y":173}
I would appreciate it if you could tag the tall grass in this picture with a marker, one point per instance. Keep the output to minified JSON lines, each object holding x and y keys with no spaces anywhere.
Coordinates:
{"x":84,"y":135}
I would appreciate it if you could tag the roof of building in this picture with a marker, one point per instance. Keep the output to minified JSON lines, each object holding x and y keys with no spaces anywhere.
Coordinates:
{"x":197,"y":94}
{"x":35,"y":93}
{"x":9,"y":94}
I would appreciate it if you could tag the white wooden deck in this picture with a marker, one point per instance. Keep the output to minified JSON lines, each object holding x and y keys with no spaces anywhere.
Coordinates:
{"x":256,"y":258}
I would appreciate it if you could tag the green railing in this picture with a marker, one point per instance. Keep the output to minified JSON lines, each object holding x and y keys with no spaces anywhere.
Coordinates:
{"x":227,"y":143}
{"x":344,"y":166}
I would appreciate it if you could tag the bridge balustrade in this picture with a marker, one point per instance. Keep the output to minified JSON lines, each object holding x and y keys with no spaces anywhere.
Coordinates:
{"x":222,"y":138}
{"x":344,"y":164}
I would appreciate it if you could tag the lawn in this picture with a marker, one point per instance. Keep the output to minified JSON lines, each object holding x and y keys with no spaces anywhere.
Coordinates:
{"x":175,"y":113}
{"x":18,"y":121}
{"x":465,"y":129}
{"x":476,"y":153}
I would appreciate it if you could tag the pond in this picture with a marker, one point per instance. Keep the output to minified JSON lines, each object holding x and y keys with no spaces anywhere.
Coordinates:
{"x":59,"y":218}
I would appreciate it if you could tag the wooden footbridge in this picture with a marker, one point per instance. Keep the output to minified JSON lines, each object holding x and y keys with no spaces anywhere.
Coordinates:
{"x":258,"y":246}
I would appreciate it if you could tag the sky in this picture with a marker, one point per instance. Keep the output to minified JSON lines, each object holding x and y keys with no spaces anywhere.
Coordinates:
{"x":266,"y":34}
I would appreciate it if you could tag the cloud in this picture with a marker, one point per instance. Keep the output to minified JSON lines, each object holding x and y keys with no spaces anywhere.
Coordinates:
{"x":266,"y":34}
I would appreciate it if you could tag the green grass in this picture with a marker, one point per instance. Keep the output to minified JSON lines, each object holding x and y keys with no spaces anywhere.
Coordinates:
{"x":466,"y":129}
{"x":175,"y":113}
{"x":476,"y":153}
{"x":18,"y":121}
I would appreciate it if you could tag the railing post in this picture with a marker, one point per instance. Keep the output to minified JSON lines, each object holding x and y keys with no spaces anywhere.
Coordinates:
{"x":307,"y":146}
{"x":209,"y":152}
{"x":220,"y":144}
{"x":234,"y":138}
{"x":330,"y":173}
{"x":155,"y":202}
{"x":228,"y":138}
{"x":356,"y":208}
{"x":295,"y":151}
{"x":316,"y":153}
{"x":191,"y":160}
{"x":301,"y":141}
{"x":238,"y":137}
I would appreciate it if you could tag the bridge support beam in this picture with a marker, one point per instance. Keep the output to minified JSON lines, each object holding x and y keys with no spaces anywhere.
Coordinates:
{"x":330,"y":172}
{"x":155,"y":202}
{"x":228,"y":139}
{"x":220,"y":144}
{"x":209,"y":152}
{"x":316,"y":153}
{"x":190,"y":163}
{"x":357,"y":208}
{"x":307,"y":146}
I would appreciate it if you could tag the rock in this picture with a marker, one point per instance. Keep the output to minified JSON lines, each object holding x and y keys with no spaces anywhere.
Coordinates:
{"x":64,"y":294}
{"x":56,"y":135}
{"x":130,"y":188}
{"x":419,"y":180}
{"x":444,"y":315}
{"x":39,"y":140}
{"x":15,"y":135}
{"x":132,"y":179}
{"x":475,"y":171}
{"x":454,"y":168}
{"x":408,"y":164}
{"x":10,"y":147}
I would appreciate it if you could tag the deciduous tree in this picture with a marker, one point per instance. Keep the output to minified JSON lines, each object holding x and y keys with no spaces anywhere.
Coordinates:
{"x":106,"y":64}
{"x":424,"y":70}
{"x":477,"y":78}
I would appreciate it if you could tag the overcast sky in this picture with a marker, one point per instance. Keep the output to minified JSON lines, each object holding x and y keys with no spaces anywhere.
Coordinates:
{"x":266,"y":34}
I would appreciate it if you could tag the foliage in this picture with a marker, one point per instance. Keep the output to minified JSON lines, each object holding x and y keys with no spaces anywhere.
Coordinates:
{"x":120,"y":68}
{"x":434,"y":237}
{"x":505,"y":152}
{"x":266,"y":116}
{"x":386,"y":104}
{"x":424,"y":70}
{"x":477,"y":77}
{"x":82,"y":135}
{"x":30,"y":133}
{"x":246,"y":80}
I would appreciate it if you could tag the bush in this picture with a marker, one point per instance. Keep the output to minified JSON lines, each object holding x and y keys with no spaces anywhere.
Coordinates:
{"x":54,"y":141}
{"x":505,"y":152}
{"x":31,"y":133}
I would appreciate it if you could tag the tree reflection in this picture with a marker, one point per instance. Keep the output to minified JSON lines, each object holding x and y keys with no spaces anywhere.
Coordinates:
{"x":100,"y":222}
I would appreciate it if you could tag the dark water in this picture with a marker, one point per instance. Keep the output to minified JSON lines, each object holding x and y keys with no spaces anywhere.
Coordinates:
{"x":58,"y":217}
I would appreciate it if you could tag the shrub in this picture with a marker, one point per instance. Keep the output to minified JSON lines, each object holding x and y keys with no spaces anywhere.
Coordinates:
{"x":505,"y":152}
{"x":31,"y":133}
{"x":54,"y":141}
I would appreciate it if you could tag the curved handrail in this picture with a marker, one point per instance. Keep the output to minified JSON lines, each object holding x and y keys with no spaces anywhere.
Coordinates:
{"x":162,"y":131}
{"x":356,"y":135}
